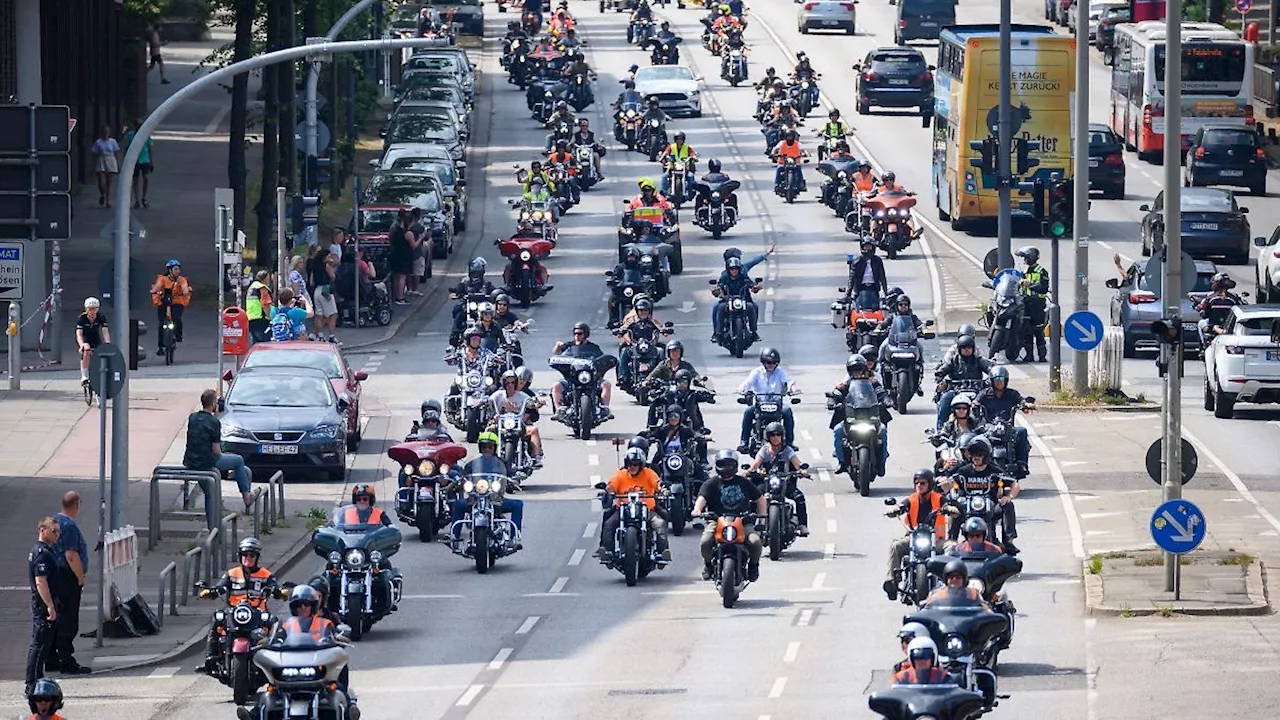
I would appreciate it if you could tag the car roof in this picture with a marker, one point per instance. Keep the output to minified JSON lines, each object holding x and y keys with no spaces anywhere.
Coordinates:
{"x":896,"y":50}
{"x":653,"y":68}
{"x":400,"y":172}
{"x":1205,"y":192}
{"x":1100,"y":127}
{"x":292,"y":346}
{"x":1257,"y":310}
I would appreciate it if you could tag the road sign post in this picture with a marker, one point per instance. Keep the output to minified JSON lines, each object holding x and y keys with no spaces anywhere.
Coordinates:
{"x":1178,"y":527}
{"x":106,"y":376}
{"x":1083,"y":331}
{"x":1080,"y":185}
{"x":1173,"y":289}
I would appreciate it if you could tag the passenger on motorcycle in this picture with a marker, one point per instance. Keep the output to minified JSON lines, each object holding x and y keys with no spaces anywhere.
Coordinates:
{"x":729,"y":492}
{"x":525,"y":377}
{"x":1035,"y":295}
{"x":775,"y":454}
{"x":975,"y":539}
{"x":922,"y":669}
{"x":1220,"y":301}
{"x":634,"y":475}
{"x":914,"y":510}
{"x":954,"y":348}
{"x":966,"y":365}
{"x":857,"y":367}
{"x":864,"y":180}
{"x":768,"y":379}
{"x":746,"y":266}
{"x":867,"y":278}
{"x":678,"y":152}
{"x":1001,"y":402}
{"x":584,"y":137}
{"x":510,"y":399}
{"x":561,"y":116}
{"x":579,"y":347}
{"x":739,"y":285}
{"x":244,"y":582}
{"x":955,"y":578}
{"x":981,"y":474}
{"x":674,"y":437}
{"x":964,"y":418}
{"x":487,"y":463}
{"x":906,"y":634}
{"x":641,"y":320}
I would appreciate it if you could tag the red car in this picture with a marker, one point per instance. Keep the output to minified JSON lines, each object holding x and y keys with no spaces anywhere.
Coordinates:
{"x":323,"y":356}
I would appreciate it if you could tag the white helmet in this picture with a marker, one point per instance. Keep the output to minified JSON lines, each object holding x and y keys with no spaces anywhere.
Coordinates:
{"x":922,"y":647}
{"x":962,"y":399}
{"x":91,"y":302}
{"x":913,"y":630}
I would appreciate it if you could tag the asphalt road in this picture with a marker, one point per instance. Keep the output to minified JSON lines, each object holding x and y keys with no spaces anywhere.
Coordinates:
{"x":554,"y":634}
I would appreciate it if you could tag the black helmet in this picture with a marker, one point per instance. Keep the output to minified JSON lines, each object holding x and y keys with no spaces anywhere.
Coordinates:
{"x":792,"y":135}
{"x":472,"y":332}
{"x":770,"y":355}
{"x":965,"y":341}
{"x":964,"y":440}
{"x":684,"y":376}
{"x":1028,"y":253}
{"x":835,"y":113}
{"x":888,"y":176}
{"x":304,"y":595}
{"x":320,"y":585}
{"x":640,"y":442}
{"x":45,"y":689}
{"x":1000,"y":372}
{"x":855,"y":362}
{"x":926,"y":473}
{"x":732,"y":252}
{"x":955,"y":567}
{"x":733,"y":262}
{"x":975,"y":525}
{"x":675,"y":410}
{"x":726,"y":463}
{"x":713,"y":165}
{"x":774,"y":428}
{"x":477,"y":267}
{"x":430,"y":410}
{"x":633,"y":253}
{"x":634,"y":456}
{"x":250,"y":545}
{"x":1222,"y":281}
{"x":674,"y":346}
{"x":585,"y":328}
{"x":643,"y":304}
{"x":501,"y":298}
{"x":903,"y":298}
{"x":653,"y":101}
{"x":870,"y":352}
{"x":967,"y":329}
{"x":979,"y":446}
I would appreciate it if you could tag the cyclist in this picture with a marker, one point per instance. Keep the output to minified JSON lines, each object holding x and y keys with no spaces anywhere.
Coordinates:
{"x":91,"y":331}
{"x":172,"y":289}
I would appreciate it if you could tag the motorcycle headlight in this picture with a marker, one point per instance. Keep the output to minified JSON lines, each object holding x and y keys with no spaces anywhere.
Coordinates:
{"x":891,"y":212}
{"x":647,"y":260}
{"x":219,"y":615}
{"x":775,"y":483}
{"x":631,"y":113}
{"x":375,"y":557}
{"x":473,"y":380}
{"x":730,"y":533}
{"x":473,"y":306}
{"x":979,"y":504}
{"x":674,"y":462}
{"x":482,"y":486}
{"x":509,"y":423}
{"x":862,"y":427}
{"x":495,"y":485}
{"x":805,"y":85}
{"x":242,"y":614}
{"x":923,"y":543}
{"x":955,"y":645}
{"x":738,"y":304}
{"x":525,"y":255}
{"x":488,"y":380}
{"x":355,"y":556}
{"x":628,"y":292}
{"x":548,"y":93}
{"x":841,"y":175}
{"x":408,"y":469}
{"x":524,"y":215}
{"x":653,"y":123}
{"x":426,"y":467}
{"x":468,"y":486}
{"x":537,"y":215}
{"x":300,"y":673}
{"x":715,"y":195}
{"x":584,"y":377}
{"x":978,"y":585}
{"x":880,"y":213}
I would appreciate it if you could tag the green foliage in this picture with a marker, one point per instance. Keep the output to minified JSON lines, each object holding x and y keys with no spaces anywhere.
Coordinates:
{"x":1194,"y":12}
{"x":139,"y":16}
{"x":1095,"y":565}
{"x":196,"y":10}
{"x":366,"y":100}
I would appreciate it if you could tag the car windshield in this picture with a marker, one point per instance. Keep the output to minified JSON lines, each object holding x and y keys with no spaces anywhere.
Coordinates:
{"x":324,"y":361}
{"x":433,"y":92}
{"x":1228,"y":137}
{"x":912,"y":8}
{"x":666,"y":72}
{"x":1257,"y":326}
{"x":378,"y":220}
{"x":1120,"y":14}
{"x":1215,"y":201}
{"x":303,"y":640}
{"x":422,"y":79}
{"x":432,"y":62}
{"x":441,"y":169}
{"x":410,"y":128}
{"x":442,"y":111}
{"x":279,"y":390}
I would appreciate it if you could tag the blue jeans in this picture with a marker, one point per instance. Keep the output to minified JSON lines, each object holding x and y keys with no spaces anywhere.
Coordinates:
{"x":788,"y":423}
{"x":624,"y":363}
{"x":244,"y":481}
{"x":838,"y":437}
{"x":868,"y":299}
{"x":1021,"y":445}
{"x":777,"y":176}
{"x":666,"y":185}
{"x":509,"y":505}
{"x":753,"y":314}
{"x":944,"y":407}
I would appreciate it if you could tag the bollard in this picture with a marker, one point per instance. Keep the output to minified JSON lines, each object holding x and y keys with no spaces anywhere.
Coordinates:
{"x":15,"y":345}
{"x":169,"y":573}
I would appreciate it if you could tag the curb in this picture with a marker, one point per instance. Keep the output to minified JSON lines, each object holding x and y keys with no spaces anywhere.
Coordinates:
{"x":1130,"y":408}
{"x":291,"y":558}
{"x":1255,"y":587}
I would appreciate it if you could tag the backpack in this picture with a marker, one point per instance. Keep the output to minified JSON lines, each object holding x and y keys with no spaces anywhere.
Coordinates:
{"x":281,"y":326}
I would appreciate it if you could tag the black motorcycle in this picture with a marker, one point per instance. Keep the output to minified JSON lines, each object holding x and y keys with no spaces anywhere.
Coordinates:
{"x":1005,"y":316}
{"x":627,"y":128}
{"x":735,"y":318}
{"x":241,"y":627}
{"x":1003,"y":441}
{"x":677,"y":471}
{"x":712,"y":210}
{"x":646,"y":353}
{"x":653,"y":138}
{"x":926,"y":702}
{"x":634,"y":551}
{"x":781,"y":522}
{"x":768,"y":409}
{"x":665,"y":52}
{"x":904,"y":364}
{"x":625,"y":289}
{"x":863,"y":416}
{"x":581,"y":410}
{"x":790,"y":182}
{"x":363,"y":586}
{"x":580,"y":97}
{"x":978,"y":503}
{"x":915,"y":582}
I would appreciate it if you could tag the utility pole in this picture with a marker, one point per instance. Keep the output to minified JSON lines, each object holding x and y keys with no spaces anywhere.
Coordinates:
{"x":1004,"y":137}
{"x":1080,"y":186}
{"x":1171,"y":467}
{"x":313,"y":80}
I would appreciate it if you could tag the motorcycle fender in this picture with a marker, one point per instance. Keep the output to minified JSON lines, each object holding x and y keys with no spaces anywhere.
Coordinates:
{"x":240,"y":645}
{"x":481,"y":520}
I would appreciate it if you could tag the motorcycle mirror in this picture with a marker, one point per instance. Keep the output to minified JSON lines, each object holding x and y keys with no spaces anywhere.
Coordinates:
{"x":742,"y":401}
{"x":891,"y":501}
{"x":928,"y":335}
{"x":226,"y":376}
{"x":608,"y":273}
{"x":745,"y":466}
{"x":840,"y":290}
{"x":600,"y":485}
{"x":344,"y":629}
{"x":759,"y":280}
{"x":711,"y":282}
{"x":795,"y":401}
{"x":987,"y":284}
{"x":669,"y":324}
{"x":222,"y":405}
{"x":804,"y":466}
{"x":374,"y":163}
{"x":498,"y":241}
{"x":1029,"y":400}
{"x":928,"y":323}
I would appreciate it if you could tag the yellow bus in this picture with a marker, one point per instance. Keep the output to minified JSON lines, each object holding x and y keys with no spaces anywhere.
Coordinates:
{"x":967,"y":92}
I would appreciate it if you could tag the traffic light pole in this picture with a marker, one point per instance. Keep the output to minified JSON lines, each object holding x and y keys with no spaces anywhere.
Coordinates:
{"x":1080,"y":186}
{"x":310,"y":143}
{"x":1004,"y":135}
{"x":1171,"y":467}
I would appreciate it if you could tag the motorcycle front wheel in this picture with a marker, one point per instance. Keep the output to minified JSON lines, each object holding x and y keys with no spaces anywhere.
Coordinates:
{"x":631,"y":556}
{"x":241,"y":687}
{"x":862,"y":466}
{"x":775,"y":532}
{"x":426,"y":519}
{"x":728,"y":581}
{"x":586,"y":417}
{"x":480,"y":538}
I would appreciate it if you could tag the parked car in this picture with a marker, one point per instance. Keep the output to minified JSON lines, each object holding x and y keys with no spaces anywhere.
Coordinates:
{"x":438,"y":93}
{"x":1056,"y":10}
{"x":416,"y":189}
{"x":1226,"y":156}
{"x":438,"y":108}
{"x":828,"y":15}
{"x":467,"y":14}
{"x":1266,"y":271}
{"x":922,"y":19}
{"x":678,"y":89}
{"x":1106,"y":162}
{"x":1096,"y":7}
{"x":1104,"y":38}
{"x":322,"y":356}
{"x":425,"y":78}
{"x":895,"y":77}
{"x":450,"y":179}
{"x":442,"y":59}
{"x":424,"y":129}
{"x":1135,"y":304}
{"x":286,"y":418}
{"x":1243,"y":363}
{"x":1213,"y":225}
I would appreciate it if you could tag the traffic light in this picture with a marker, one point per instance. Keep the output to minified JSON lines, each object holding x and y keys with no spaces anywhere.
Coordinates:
{"x":318,"y":171}
{"x":1035,"y":206}
{"x":305,"y":213}
{"x":1024,"y":162}
{"x":1060,"y":211}
{"x":988,"y":149}
{"x":1168,"y":332}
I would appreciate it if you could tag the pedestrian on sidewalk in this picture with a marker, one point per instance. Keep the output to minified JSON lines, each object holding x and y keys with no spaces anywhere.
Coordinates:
{"x":153,"y":44}
{"x":403,"y":243}
{"x":290,"y":319}
{"x":339,"y":242}
{"x":42,"y":569}
{"x":298,"y":281}
{"x":419,"y":230}
{"x":257,"y":306}
{"x":324,"y":274}
{"x":141,"y":171}
{"x":204,"y":452}
{"x":106,"y":163}
{"x":72,"y":555}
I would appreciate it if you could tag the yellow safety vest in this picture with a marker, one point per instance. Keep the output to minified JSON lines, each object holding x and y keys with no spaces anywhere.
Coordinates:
{"x":253,"y":305}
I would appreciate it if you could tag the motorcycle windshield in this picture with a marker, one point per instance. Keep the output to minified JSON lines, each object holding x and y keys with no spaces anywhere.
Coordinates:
{"x":1006,"y":285}
{"x":305,"y":641}
{"x":902,"y":331}
{"x":861,"y":395}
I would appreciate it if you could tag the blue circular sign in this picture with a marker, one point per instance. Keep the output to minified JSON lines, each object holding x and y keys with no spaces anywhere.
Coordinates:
{"x":1178,"y":526}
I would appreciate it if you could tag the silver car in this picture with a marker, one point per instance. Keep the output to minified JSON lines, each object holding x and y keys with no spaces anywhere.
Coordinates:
{"x":453,"y":62}
{"x":1136,"y":304}
{"x":678,"y":89}
{"x":828,"y":15}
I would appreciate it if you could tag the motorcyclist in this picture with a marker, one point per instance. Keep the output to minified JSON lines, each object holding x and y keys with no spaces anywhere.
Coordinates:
{"x":955,"y":578}
{"x":362,"y":510}
{"x":584,"y":137}
{"x":1216,"y":305}
{"x":246,"y":582}
{"x":914,"y":510}
{"x":475,"y":284}
{"x":730,"y":492}
{"x":503,"y":317}
{"x":539,"y":193}
{"x":1001,"y":402}
{"x":747,"y":265}
{"x":922,"y":656}
{"x":954,"y":348}
{"x":867,"y":278}
{"x":675,"y":437}
{"x":562,"y":115}
{"x":570,"y":42}
{"x":784,"y":118}
{"x":906,"y":634}
{"x":834,"y":127}
{"x":580,"y":347}
{"x":975,"y":539}
{"x":628,"y":97}
{"x":526,"y":177}
{"x":804,"y":68}
{"x":964,"y":418}
{"x":864,"y":180}
{"x":674,"y":362}
{"x":889,"y":183}
{"x":664,"y":36}
{"x":726,"y":21}
{"x":627,"y":272}
{"x":488,"y":463}
{"x":430,"y":427}
{"x":473,"y":354}
{"x":681,"y":155}
{"x":733,"y":40}
{"x":562,"y":156}
{"x":837,"y":161}
{"x":641,"y":13}
{"x":770,"y":75}
{"x":45,"y":700}
{"x":981,"y":474}
{"x":788,"y":148}
{"x":641,"y":321}
{"x":635,"y":475}
{"x":768,"y":379}
{"x":858,"y":368}
{"x":901,"y":308}
{"x":510,"y":399}
{"x":648,"y":197}
{"x":966,"y":366}
{"x":739,"y":285}
{"x":775,"y":454}
{"x":1035,"y":291}
{"x":490,"y":330}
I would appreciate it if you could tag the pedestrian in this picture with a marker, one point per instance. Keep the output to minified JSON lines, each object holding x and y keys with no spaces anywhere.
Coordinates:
{"x":204,"y":452}
{"x":324,"y":273}
{"x":298,"y":281}
{"x":339,"y":242}
{"x":419,"y":231}
{"x":42,"y":569}
{"x":153,"y":44}
{"x":106,"y":163}
{"x":141,"y":171}
{"x":257,"y":306}
{"x":290,"y":319}
{"x":403,"y":243}
{"x":72,"y":555}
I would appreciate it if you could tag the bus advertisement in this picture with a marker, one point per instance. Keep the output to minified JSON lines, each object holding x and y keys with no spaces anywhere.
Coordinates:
{"x":1043,"y":98}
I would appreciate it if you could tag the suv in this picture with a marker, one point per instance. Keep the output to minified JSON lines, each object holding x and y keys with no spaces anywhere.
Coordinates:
{"x":923,"y":19}
{"x":1104,"y":38}
{"x":1266,"y":273}
{"x":1226,"y":156}
{"x":1106,"y":162}
{"x":1243,"y":363}
{"x":895,"y":77}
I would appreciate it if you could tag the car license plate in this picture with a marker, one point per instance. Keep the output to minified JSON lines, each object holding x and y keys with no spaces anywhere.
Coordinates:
{"x":831,"y":22}
{"x":897,"y":81}
{"x":1093,"y":162}
{"x":1190,"y":326}
{"x":268,"y":449}
{"x":1273,"y":356}
{"x":1232,"y":173}
{"x":928,"y":24}
{"x":1204,"y":226}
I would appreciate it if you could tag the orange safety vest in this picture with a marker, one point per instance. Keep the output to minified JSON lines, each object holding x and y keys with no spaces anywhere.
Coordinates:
{"x":914,"y":513}
{"x":352,"y":516}
{"x":788,"y":150}
{"x":315,"y":626}
{"x":910,"y":676}
{"x":240,"y":586}
{"x":55,"y":716}
{"x":967,"y":546}
{"x":563,"y":159}
{"x":942,"y":594}
{"x":866,"y":182}
{"x":895,"y":187}
{"x":181,"y":290}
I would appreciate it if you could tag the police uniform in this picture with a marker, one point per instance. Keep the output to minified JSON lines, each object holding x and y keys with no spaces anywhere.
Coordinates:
{"x":41,"y":562}
{"x":1036,"y":292}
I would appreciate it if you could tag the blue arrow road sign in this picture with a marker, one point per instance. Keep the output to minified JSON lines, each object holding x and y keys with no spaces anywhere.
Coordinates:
{"x":1083,"y":331}
{"x":1178,"y":526}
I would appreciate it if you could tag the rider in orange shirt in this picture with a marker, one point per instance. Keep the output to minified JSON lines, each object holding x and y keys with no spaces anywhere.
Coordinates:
{"x":635,"y":475}
{"x":788,"y":148}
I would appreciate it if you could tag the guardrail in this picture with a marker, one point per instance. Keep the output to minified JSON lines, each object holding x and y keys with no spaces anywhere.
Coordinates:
{"x":1265,"y":90}
{"x":207,"y":480}
{"x":196,"y":555}
{"x":170,"y":573}
{"x":225,"y":549}
{"x":1106,"y":361}
{"x":120,"y":561}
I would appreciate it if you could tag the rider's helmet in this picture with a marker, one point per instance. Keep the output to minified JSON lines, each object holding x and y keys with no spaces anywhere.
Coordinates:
{"x":979,"y":446}
{"x":770,"y":355}
{"x":865,"y":165}
{"x":975,"y":526}
{"x":834,"y":114}
{"x":1029,"y":254}
{"x":675,"y":346}
{"x":731,"y":253}
{"x":646,"y":184}
{"x":962,"y":400}
{"x":172,"y":264}
{"x":922,"y":648}
{"x":725,"y":9}
{"x":679,"y":136}
{"x":502,"y":299}
{"x":870,"y":352}
{"x":582,"y":327}
{"x":726,"y":463}
{"x":1222,"y":281}
{"x":304,"y":595}
{"x":965,"y":341}
{"x":955,"y":567}
{"x":855,"y":363}
{"x":684,"y":378}
{"x":1000,"y":373}
{"x":774,"y":429}
{"x":250,"y":546}
{"x":925,"y":474}
{"x":562,"y":146}
{"x":91,"y":302}
{"x":966,"y":329}
{"x":732,"y":263}
{"x":713,"y":165}
{"x":45,"y":689}
{"x":487,"y":438}
{"x":476,"y":268}
{"x":785,"y":104}
{"x":430,"y":410}
{"x":643,"y":304}
{"x":360,"y":491}
{"x":792,"y":136}
{"x":911,"y":631}
{"x":632,"y":256}
{"x":509,"y":376}
{"x":868,"y":245}
{"x":639,"y":442}
{"x":675,"y":411}
{"x":486,"y":308}
{"x":653,"y":101}
{"x":562,"y":105}
{"x":903,"y":299}
{"x":525,"y":374}
{"x":888,"y":177}
{"x":470,"y":333}
{"x":634,"y":457}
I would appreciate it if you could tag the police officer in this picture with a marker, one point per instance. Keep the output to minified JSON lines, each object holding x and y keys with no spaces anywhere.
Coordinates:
{"x":1035,"y":289}
{"x":42,"y":570}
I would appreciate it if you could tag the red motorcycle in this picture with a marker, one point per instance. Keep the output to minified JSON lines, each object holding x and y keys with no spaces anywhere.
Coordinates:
{"x":422,"y":499}
{"x":525,"y":277}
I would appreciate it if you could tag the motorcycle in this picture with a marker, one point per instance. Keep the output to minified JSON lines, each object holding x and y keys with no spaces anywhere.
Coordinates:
{"x":421,"y":499}
{"x":735,"y":67}
{"x":922,"y":702}
{"x":1003,"y":440}
{"x":859,"y":323}
{"x":804,"y":94}
{"x":735,"y":320}
{"x":828,"y":145}
{"x":678,"y":173}
{"x":524,"y":277}
{"x":712,"y":210}
{"x":539,"y":214}
{"x":513,"y":445}
{"x":640,"y":31}
{"x":584,"y":156}
{"x":890,"y":213}
{"x":1010,"y":332}
{"x":635,"y":544}
{"x":471,"y":312}
{"x":978,"y":503}
{"x":363,"y":586}
{"x":581,"y":410}
{"x":580,"y":96}
{"x":789,"y":185}
{"x":645,"y":354}
{"x":732,"y":556}
{"x":781,"y":522}
{"x":628,"y":127}
{"x":488,"y":536}
{"x":677,"y":474}
{"x":625,"y":289}
{"x":768,"y":409}
{"x":988,"y":573}
{"x":665,"y":52}
{"x":914,"y":579}
{"x":467,"y":405}
{"x":904,"y":361}
{"x":863,"y":416}
{"x":510,"y":354}
{"x":239,"y":629}
{"x":657,"y":233}
{"x":301,"y":673}
{"x":653,"y":138}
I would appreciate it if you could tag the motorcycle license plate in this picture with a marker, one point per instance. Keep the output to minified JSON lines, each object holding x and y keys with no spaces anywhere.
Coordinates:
{"x":631,"y":126}
{"x":897,"y":81}
{"x":355,"y":586}
{"x":1189,"y":326}
{"x":424,"y":493}
{"x":273,"y":449}
{"x":299,"y":710}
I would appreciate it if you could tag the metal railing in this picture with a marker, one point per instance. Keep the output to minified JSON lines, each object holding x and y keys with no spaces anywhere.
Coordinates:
{"x":1106,"y":361}
{"x":170,"y":573}
{"x":213,"y":563}
{"x":225,"y":549}
{"x":1265,"y":91}
{"x":177,"y":473}
{"x":194,"y":555}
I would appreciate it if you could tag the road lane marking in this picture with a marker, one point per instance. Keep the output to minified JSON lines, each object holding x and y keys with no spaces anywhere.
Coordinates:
{"x":818,"y":580}
{"x":816,"y":453}
{"x":164,"y":672}
{"x":591,"y":443}
{"x":831,"y":525}
{"x":824,"y":476}
{"x":577,"y":557}
{"x":806,"y":435}
{"x":590,"y":531}
{"x":768,"y":312}
{"x":558,"y":585}
{"x":501,"y":657}
{"x":829,"y":552}
{"x":793,"y":649}
{"x":806,"y":617}
{"x":829,"y":499}
{"x":593,"y":459}
{"x":1233,"y":479}
{"x":430,"y":597}
{"x":528,"y":624}
{"x":1060,"y":483}
{"x":778,"y":686}
{"x":470,"y":695}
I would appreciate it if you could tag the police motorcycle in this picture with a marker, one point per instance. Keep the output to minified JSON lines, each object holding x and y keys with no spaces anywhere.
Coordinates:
{"x":363,"y":585}
{"x":239,"y":629}
{"x":712,"y":211}
{"x":582,"y":410}
{"x":768,"y":409}
{"x":781,"y":522}
{"x":467,"y":405}
{"x":915,"y":582}
{"x":634,"y":550}
{"x":735,"y":319}
{"x":732,"y":555}
{"x":301,"y":673}
{"x":864,"y":414}
{"x":482,"y":534}
{"x":926,"y":702}
{"x":903,"y":360}
{"x":422,"y":500}
{"x":646,"y":352}
{"x":513,"y":444}
{"x":1006,"y":316}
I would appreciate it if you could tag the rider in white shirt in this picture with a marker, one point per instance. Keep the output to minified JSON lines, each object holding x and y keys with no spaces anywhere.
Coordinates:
{"x":768,"y":379}
{"x":511,"y":400}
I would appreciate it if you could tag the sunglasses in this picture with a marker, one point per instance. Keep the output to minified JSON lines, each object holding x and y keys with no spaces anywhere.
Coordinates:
{"x":578,"y":332}
{"x":922,"y":482}
{"x":770,"y":363}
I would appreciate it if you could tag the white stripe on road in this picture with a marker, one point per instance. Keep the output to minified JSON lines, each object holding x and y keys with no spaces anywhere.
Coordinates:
{"x":164,"y":672}
{"x":778,"y":686}
{"x":1233,"y":479}
{"x":816,"y":453}
{"x":768,"y":313}
{"x":593,"y":459}
{"x":470,"y":695}
{"x":806,"y":435}
{"x":829,"y":499}
{"x":577,"y":557}
{"x":824,"y":476}
{"x":558,"y":585}
{"x":831,"y":525}
{"x":829,"y":552}
{"x":818,"y":580}
{"x":1068,"y":504}
{"x":590,"y":531}
{"x":793,"y":649}
{"x":806,"y":617}
{"x":501,"y":657}
{"x":527,"y":625}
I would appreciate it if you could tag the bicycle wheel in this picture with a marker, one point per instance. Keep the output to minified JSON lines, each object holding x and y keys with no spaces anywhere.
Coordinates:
{"x":88,"y":393}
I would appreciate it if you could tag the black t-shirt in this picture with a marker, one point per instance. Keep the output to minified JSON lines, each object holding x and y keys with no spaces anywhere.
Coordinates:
{"x":92,"y":329}
{"x":736,"y":495}
{"x":42,"y":563}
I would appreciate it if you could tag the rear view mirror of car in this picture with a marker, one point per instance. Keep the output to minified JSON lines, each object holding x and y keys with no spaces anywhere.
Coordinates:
{"x":1113,"y":283}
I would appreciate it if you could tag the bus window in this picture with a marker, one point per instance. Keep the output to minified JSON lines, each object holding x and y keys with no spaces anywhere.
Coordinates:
{"x":1207,"y":69}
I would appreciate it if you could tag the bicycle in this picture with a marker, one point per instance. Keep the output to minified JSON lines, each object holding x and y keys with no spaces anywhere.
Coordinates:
{"x":167,"y":342}
{"x":89,"y":393}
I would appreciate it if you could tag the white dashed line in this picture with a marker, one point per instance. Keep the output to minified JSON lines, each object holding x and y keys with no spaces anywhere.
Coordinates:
{"x":500,"y":658}
{"x":593,"y":459}
{"x":591,"y":443}
{"x":778,"y":686}
{"x":528,"y":624}
{"x":829,"y":499}
{"x":768,"y":312}
{"x":558,"y":585}
{"x":590,"y":530}
{"x":164,"y":672}
{"x":806,"y":617}
{"x":577,"y":557}
{"x":816,"y":453}
{"x":806,"y":435}
{"x":818,"y":580}
{"x":824,"y":476}
{"x":829,"y":552}
{"x":470,"y":695}
{"x":831,"y":526}
{"x":793,"y":649}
